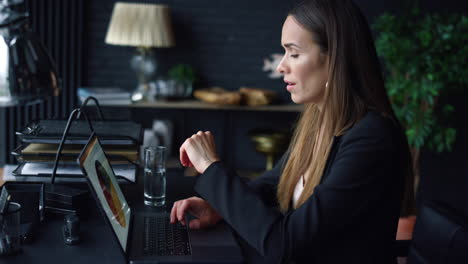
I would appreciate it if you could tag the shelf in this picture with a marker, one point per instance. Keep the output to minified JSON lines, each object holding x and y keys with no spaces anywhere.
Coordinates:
{"x":194,"y":104}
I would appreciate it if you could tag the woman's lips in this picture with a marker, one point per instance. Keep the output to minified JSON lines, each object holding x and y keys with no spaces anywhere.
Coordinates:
{"x":290,"y":86}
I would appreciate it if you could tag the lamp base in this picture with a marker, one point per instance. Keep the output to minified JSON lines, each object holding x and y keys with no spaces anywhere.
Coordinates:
{"x":144,"y":64}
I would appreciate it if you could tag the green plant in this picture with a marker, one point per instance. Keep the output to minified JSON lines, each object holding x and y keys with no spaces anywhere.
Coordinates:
{"x":425,"y":57}
{"x":182,"y":73}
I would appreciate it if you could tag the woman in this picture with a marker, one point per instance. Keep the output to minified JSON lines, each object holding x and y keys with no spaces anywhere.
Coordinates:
{"x":335,"y":196}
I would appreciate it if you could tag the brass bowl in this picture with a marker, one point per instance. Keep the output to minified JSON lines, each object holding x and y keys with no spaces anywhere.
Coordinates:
{"x":270,"y":143}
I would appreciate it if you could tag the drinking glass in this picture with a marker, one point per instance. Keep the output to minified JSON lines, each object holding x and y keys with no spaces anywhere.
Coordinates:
{"x":155,"y":176}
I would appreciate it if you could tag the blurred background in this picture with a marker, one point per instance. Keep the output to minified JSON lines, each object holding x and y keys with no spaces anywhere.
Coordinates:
{"x":226,"y":42}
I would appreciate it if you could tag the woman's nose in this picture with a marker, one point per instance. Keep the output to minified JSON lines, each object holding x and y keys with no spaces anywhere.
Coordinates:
{"x":281,"y":67}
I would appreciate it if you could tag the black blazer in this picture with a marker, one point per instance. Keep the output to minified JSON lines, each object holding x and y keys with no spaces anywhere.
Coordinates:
{"x":351,"y":217}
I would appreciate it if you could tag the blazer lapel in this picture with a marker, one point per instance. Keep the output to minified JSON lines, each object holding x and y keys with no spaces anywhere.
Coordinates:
{"x":331,"y":156}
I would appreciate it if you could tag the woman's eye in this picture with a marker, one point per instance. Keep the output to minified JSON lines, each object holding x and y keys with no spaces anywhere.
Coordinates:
{"x":294,"y":55}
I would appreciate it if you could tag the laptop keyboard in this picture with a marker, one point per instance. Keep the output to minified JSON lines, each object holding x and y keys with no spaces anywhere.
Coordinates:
{"x":165,"y":239}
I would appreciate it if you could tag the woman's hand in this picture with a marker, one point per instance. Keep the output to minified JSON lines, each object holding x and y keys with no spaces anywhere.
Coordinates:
{"x":205,"y":214}
{"x":199,"y":151}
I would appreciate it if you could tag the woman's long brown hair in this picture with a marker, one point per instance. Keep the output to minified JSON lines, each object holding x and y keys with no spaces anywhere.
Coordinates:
{"x":355,"y":85}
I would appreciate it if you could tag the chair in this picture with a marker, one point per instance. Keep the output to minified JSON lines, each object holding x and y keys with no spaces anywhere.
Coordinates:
{"x":440,"y":236}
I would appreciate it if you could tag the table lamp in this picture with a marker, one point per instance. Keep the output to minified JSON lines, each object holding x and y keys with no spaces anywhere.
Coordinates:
{"x":144,"y":26}
{"x":27,"y":72}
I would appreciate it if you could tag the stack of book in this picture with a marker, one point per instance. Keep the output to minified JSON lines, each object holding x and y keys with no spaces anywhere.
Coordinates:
{"x":105,"y":95}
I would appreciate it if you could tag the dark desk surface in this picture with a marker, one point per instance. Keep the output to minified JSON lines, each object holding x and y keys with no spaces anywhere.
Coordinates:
{"x":98,"y":245}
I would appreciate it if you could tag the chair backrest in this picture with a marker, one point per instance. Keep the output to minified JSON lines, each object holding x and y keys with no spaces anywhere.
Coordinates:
{"x":440,"y":236}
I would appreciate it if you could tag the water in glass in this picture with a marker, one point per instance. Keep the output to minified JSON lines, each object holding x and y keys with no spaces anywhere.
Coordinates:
{"x":155,"y":186}
{"x":155,"y":176}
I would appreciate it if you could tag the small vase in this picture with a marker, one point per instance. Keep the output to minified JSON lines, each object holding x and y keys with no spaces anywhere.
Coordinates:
{"x":173,"y":90}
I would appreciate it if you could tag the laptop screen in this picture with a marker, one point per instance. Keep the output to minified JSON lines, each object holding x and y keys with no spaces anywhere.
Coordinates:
{"x":102,"y":179}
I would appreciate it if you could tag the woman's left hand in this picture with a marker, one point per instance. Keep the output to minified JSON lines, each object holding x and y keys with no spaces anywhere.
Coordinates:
{"x":199,"y":151}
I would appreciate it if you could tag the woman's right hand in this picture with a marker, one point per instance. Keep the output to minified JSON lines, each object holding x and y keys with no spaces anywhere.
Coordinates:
{"x":205,"y":214}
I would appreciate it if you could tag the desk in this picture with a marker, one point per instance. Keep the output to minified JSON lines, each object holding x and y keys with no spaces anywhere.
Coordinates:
{"x":98,"y":245}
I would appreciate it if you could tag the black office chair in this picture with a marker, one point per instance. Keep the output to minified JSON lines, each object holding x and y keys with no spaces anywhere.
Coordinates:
{"x":440,"y":236}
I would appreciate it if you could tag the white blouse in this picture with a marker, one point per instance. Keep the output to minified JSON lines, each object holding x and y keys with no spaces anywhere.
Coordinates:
{"x":298,"y":190}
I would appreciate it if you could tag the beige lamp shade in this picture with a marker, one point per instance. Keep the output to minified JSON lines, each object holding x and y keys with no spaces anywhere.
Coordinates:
{"x":140,"y":25}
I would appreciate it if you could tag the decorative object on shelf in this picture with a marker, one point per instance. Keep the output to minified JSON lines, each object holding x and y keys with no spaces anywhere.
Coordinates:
{"x":269,"y":65}
{"x":27,"y":72}
{"x":257,"y":96}
{"x":426,"y":57}
{"x":182,"y":73}
{"x":245,"y":95}
{"x":181,"y":79}
{"x":270,"y":143}
{"x":178,"y":85}
{"x":218,"y":95}
{"x":144,"y":26}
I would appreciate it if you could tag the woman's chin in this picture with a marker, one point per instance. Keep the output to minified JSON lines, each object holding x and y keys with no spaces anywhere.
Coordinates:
{"x":296,"y":100}
{"x":306,"y":99}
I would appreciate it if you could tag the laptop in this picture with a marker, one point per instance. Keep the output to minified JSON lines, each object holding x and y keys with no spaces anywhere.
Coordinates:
{"x":146,"y":236}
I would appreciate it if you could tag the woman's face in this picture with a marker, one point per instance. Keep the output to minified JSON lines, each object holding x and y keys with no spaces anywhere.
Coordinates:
{"x":304,"y":66}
